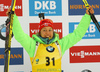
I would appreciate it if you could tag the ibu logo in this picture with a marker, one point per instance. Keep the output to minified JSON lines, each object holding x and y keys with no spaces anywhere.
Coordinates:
{"x":49,"y":7}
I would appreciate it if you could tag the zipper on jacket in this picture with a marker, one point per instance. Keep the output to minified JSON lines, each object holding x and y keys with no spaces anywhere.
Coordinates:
{"x":48,"y":41}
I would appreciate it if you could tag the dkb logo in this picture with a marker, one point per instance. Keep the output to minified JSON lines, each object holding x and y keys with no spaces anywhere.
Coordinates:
{"x":92,"y":32}
{"x":44,"y":5}
{"x":50,"y":7}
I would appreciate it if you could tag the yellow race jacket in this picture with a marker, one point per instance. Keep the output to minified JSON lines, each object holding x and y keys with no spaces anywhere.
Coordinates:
{"x":47,"y":58}
{"x":43,"y":57}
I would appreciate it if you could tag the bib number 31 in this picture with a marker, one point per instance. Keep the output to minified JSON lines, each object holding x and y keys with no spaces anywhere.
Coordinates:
{"x":48,"y":60}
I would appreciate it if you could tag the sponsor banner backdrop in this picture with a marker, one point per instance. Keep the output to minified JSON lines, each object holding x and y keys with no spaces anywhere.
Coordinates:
{"x":92,"y":32}
{"x":16,"y":56}
{"x":66,"y":15}
{"x":84,"y":54}
{"x":5,"y":5}
{"x":57,"y":28}
{"x":77,"y":7}
{"x":49,"y":7}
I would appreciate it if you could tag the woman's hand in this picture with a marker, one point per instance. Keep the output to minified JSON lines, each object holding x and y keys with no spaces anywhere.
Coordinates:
{"x":8,"y":11}
{"x":90,"y":9}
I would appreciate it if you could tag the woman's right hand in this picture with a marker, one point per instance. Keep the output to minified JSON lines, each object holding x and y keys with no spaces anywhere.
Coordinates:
{"x":8,"y":11}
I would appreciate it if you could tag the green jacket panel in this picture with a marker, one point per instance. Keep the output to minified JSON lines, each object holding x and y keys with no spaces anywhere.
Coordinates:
{"x":25,"y":40}
{"x":72,"y":38}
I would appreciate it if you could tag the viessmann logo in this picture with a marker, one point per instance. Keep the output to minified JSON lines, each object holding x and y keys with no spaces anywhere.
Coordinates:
{"x":34,"y":28}
{"x":49,"y":7}
{"x":77,"y":7}
{"x":82,"y":54}
{"x":5,"y":5}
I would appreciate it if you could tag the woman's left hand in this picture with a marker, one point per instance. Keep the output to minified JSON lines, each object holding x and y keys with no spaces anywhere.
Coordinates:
{"x":90,"y":9}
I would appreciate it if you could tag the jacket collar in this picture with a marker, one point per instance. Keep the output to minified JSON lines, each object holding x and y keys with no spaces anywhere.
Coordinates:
{"x":45,"y":40}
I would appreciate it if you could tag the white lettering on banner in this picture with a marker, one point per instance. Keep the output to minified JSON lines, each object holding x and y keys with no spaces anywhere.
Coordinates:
{"x":2,"y":7}
{"x":37,"y":12}
{"x":44,"y":12}
{"x":92,"y":28}
{"x":18,"y":7}
{"x":75,"y":26}
{"x":6,"y":7}
{"x":82,"y":54}
{"x":85,"y":35}
{"x":36,"y":5}
{"x":44,"y":5}
{"x":55,"y":30}
{"x":89,"y":35}
{"x":50,"y":12}
{"x":34,"y":31}
{"x":47,"y":12}
{"x":52,"y":5}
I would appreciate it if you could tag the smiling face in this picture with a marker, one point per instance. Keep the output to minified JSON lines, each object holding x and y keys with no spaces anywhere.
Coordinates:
{"x":46,"y":32}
